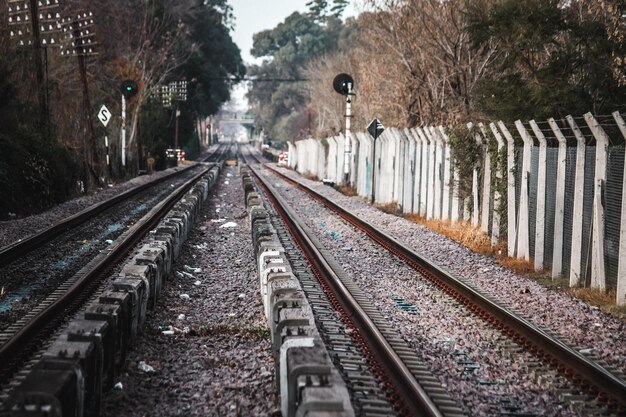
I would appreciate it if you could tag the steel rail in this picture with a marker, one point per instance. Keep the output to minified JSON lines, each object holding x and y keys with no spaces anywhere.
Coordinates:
{"x":24,"y":340}
{"x":414,"y":397}
{"x":572,"y":363}
{"x":20,"y":248}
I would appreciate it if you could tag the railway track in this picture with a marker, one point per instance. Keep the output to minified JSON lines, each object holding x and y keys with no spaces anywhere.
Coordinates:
{"x":21,"y":340}
{"x":604,"y":386}
{"x":412,"y":390}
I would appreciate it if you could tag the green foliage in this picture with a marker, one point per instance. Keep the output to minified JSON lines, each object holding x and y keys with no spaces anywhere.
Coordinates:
{"x":215,"y":59}
{"x":34,"y":173}
{"x":281,"y":107}
{"x":550,"y":60}
{"x":467,"y":153}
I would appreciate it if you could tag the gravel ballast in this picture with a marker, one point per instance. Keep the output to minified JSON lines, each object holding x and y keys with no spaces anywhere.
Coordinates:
{"x":20,"y":228}
{"x":206,"y":350}
{"x":585,"y":326}
{"x":438,"y":329}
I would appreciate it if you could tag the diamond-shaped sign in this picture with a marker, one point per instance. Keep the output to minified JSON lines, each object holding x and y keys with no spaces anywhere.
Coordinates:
{"x":375,"y":128}
{"x":104,"y":115}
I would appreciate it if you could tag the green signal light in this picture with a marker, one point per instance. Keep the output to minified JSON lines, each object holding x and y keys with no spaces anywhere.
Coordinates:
{"x":129,"y":88}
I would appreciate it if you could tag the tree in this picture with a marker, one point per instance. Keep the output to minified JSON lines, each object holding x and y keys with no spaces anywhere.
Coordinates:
{"x":281,"y":103}
{"x":553,"y":59}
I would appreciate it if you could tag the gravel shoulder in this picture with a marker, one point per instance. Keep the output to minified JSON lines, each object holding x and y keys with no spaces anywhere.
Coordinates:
{"x":218,"y":360}
{"x":20,"y":228}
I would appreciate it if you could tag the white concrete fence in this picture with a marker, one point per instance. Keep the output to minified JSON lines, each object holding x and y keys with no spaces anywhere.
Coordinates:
{"x":415,"y":169}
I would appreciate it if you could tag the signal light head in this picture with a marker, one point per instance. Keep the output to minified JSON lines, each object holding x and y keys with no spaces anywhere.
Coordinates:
{"x":129,"y":88}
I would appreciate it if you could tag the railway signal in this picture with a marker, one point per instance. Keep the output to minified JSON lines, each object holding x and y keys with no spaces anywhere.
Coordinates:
{"x":129,"y":88}
{"x":344,"y":85}
{"x":375,"y":128}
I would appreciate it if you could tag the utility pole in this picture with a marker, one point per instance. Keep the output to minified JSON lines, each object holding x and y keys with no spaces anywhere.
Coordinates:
{"x":34,"y":24}
{"x":81,"y":45}
{"x":41,"y":88}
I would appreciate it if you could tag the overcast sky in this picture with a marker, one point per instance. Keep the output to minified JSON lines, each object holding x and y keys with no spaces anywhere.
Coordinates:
{"x":252,"y":16}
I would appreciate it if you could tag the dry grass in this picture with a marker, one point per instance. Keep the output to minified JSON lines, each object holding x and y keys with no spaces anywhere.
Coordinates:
{"x":347,"y":190}
{"x":391,"y":208}
{"x":463,"y":233}
{"x":605,"y":300}
{"x":521,"y":266}
{"x":477,"y":241}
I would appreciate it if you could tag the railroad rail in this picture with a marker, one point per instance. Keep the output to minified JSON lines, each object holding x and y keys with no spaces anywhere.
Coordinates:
{"x":18,"y":249}
{"x":386,"y":353}
{"x":24,"y":340}
{"x":592,"y":376}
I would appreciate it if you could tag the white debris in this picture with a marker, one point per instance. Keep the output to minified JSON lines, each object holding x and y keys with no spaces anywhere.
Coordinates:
{"x":145,"y":367}
{"x":185,"y":297}
{"x":217,"y":220}
{"x":192,"y":269}
{"x":118,"y":386}
{"x":242,"y":295}
{"x":198,"y":282}
{"x":181,"y":317}
{"x":229,"y":224}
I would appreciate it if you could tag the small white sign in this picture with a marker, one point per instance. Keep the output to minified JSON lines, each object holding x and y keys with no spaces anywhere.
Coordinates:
{"x":104,"y":115}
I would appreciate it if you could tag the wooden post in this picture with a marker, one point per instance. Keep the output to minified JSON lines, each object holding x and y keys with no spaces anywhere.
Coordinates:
{"x":456,"y":198}
{"x":497,"y":197}
{"x":598,"y":276}
{"x":510,"y":190}
{"x":475,"y":197}
{"x":540,"y":218}
{"x":579,"y":189}
{"x":447,"y":169}
{"x":399,"y":168}
{"x":432,"y":150}
{"x":486,"y":197}
{"x":409,"y":171}
{"x":417,"y":196}
{"x":424,"y":177}
{"x":621,"y":268}
{"x":557,"y":254}
{"x":523,"y":245}
{"x":438,"y":180}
